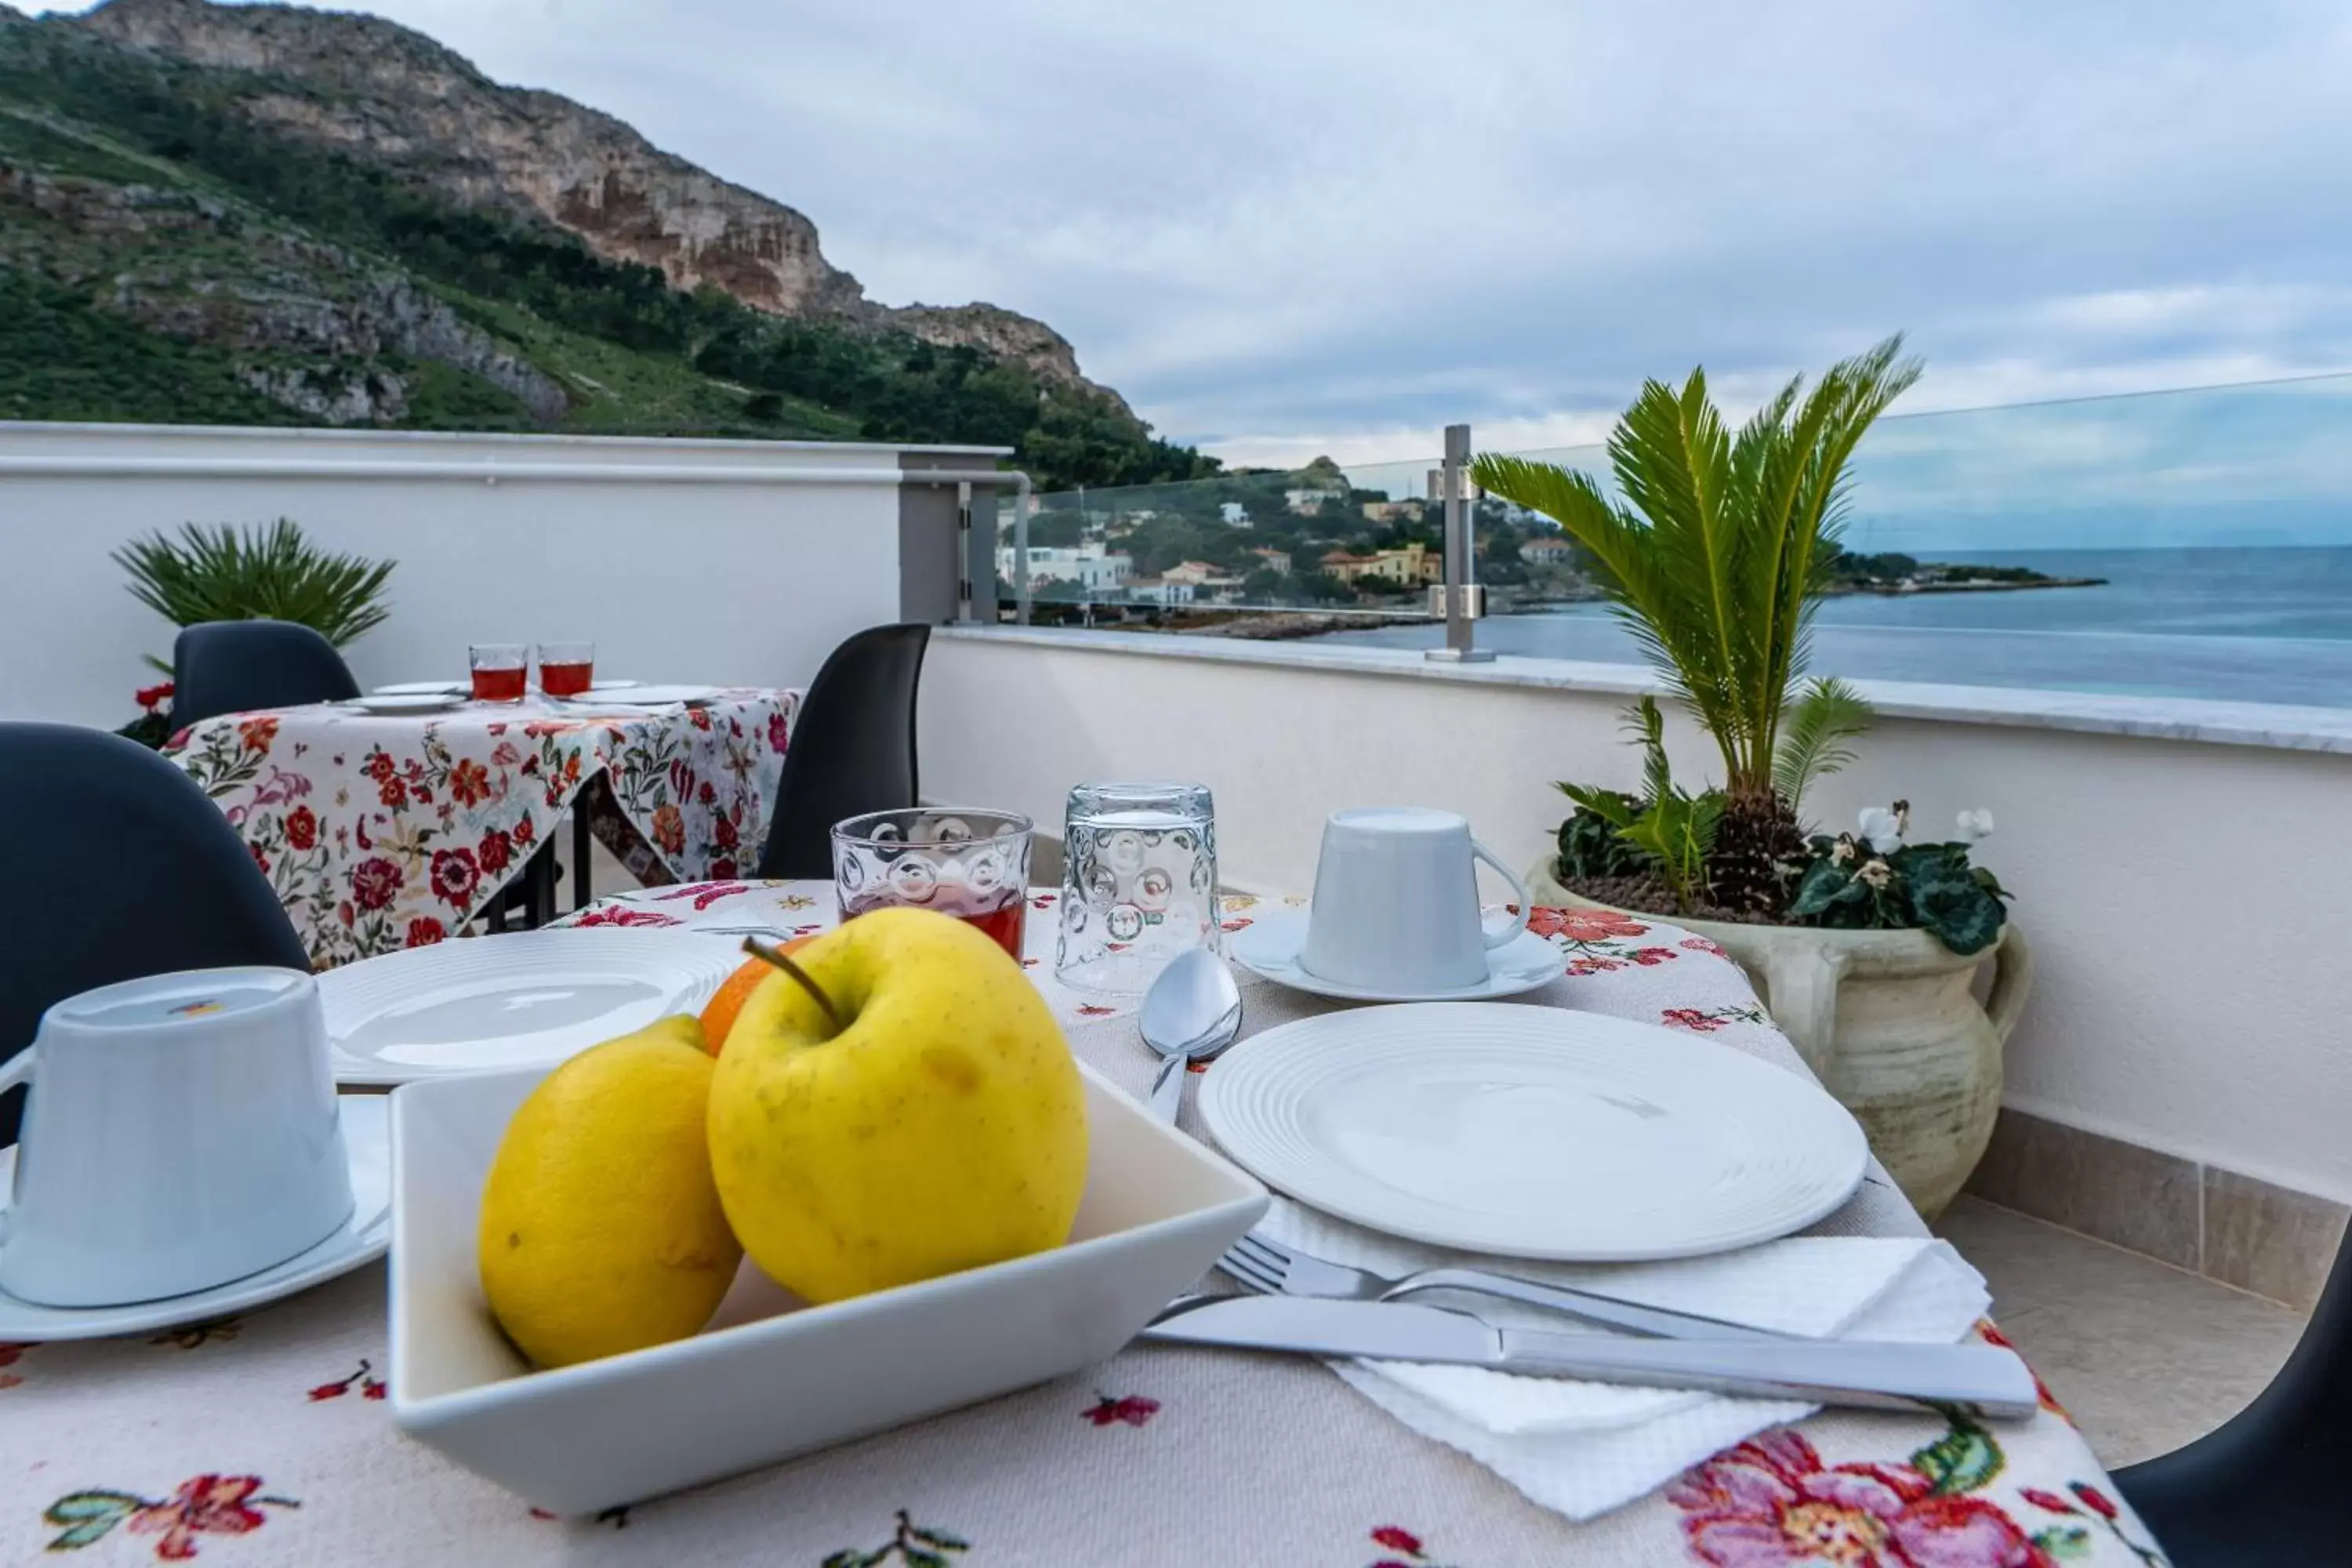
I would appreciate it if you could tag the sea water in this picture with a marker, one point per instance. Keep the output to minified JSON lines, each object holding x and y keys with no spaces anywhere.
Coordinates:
{"x":2268,"y":624}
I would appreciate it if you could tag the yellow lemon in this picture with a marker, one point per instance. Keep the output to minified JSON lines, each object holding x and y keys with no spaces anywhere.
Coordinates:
{"x":602,"y":1231}
{"x":933,"y":1121}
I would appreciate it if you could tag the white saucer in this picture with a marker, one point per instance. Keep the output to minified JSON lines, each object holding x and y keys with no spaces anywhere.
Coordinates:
{"x":367,"y":1138}
{"x":1533,"y":1132}
{"x":486,"y":1004}
{"x":1268,"y":948}
{"x":424,"y":689}
{"x":398,"y":702}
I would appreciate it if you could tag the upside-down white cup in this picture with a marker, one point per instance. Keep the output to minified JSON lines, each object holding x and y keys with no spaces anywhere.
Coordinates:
{"x":182,"y":1132}
{"x":1396,"y":902}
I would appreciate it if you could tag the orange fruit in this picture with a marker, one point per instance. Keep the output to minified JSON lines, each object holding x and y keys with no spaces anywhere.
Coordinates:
{"x":719,"y":1013}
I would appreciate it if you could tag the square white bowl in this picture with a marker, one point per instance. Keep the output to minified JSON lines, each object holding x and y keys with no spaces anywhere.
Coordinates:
{"x":770,"y":1379}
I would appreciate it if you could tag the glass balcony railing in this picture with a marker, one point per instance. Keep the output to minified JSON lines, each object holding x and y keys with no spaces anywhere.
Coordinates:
{"x":2193,"y":543}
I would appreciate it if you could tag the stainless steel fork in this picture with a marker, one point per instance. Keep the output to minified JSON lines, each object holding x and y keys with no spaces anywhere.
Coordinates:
{"x":1263,"y":1265}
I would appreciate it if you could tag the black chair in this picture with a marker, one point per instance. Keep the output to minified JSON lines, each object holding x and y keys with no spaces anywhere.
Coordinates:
{"x":2266,"y":1487}
{"x":853,"y":747}
{"x":156,"y":878}
{"x":231,"y":667}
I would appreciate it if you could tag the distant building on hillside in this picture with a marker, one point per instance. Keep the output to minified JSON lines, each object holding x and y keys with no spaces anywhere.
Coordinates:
{"x":1273,"y":559}
{"x":1307,"y":502}
{"x":1159,"y":591}
{"x":1404,"y":566}
{"x":1235,"y":514}
{"x":1087,"y":566}
{"x":1548,"y":553}
{"x":1200,"y":574}
{"x":1406,"y":510}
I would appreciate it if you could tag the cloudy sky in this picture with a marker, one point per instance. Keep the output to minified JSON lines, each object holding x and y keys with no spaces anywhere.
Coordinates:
{"x":1286,"y":226}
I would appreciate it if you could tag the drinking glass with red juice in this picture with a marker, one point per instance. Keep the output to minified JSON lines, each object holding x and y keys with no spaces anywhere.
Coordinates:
{"x":964,"y":862}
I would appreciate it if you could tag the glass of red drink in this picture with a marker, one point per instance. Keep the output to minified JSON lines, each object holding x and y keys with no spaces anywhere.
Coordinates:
{"x":500,"y":671}
{"x":566,"y":668}
{"x":962,"y":861}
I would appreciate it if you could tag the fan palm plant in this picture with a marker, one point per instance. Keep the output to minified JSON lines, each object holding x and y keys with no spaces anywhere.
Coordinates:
{"x":1716,"y":560}
{"x":276,"y":574}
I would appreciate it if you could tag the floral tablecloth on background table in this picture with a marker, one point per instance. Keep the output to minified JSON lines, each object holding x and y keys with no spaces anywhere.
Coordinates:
{"x":261,"y":1439}
{"x":381,"y":831}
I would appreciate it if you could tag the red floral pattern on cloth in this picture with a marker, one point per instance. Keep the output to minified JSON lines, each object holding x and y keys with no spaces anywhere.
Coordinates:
{"x":369,"y":1386}
{"x":1400,"y":1548}
{"x":1770,"y":1502}
{"x":203,"y":1505}
{"x":380,"y":833}
{"x":1132,"y":1410}
{"x":1597,"y":940}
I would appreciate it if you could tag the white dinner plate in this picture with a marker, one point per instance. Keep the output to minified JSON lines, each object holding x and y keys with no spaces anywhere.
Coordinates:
{"x":487,"y":1004}
{"x":632,"y":694}
{"x":367,"y":1139}
{"x":1269,"y":946}
{"x":1533,"y":1132}
{"x":424,"y":689}
{"x":389,"y":704}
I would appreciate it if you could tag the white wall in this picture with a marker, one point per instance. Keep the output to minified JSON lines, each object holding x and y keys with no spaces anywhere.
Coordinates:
{"x":2186,"y":900}
{"x":690,"y":560}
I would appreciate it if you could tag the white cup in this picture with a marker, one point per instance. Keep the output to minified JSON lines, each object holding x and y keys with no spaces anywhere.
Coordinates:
{"x":1396,"y":902}
{"x":182,"y":1132}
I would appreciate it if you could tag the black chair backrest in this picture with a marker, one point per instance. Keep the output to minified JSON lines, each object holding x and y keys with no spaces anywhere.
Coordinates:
{"x":153,"y":878}
{"x":2265,"y":1487}
{"x":853,"y":747}
{"x":231,"y":667}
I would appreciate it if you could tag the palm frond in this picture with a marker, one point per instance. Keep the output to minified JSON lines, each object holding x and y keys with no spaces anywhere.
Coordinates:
{"x":275,"y":572}
{"x":1813,"y":742}
{"x":1645,"y":727}
{"x":1714,"y":560}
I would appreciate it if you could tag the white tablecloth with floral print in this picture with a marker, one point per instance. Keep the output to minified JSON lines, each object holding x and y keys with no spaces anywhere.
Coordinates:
{"x":384,"y":832}
{"x":261,"y":1439}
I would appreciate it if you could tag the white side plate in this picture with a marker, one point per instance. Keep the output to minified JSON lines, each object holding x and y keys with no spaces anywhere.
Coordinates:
{"x":424,"y":689}
{"x":363,"y":1239}
{"x":528,"y":999}
{"x":1533,"y":1132}
{"x":630,"y":694}
{"x":1268,"y":948}
{"x":391,"y":703}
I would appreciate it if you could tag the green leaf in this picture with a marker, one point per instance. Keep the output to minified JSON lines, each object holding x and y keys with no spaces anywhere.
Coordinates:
{"x":1827,"y":715}
{"x":850,"y":1557}
{"x":918,"y":1558}
{"x":1613,"y":806}
{"x":933,"y":1536}
{"x":1824,"y":880}
{"x":1962,"y":1460}
{"x":1963,"y":915}
{"x":89,"y":1516}
{"x":2064,"y":1542}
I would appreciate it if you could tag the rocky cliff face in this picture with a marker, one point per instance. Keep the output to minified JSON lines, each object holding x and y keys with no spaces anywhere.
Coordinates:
{"x":380,"y":91}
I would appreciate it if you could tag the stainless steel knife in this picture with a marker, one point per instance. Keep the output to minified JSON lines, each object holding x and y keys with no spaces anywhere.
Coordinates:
{"x":1975,"y":1378}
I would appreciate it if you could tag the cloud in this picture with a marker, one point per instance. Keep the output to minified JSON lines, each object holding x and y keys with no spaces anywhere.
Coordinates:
{"x":1282,"y":226}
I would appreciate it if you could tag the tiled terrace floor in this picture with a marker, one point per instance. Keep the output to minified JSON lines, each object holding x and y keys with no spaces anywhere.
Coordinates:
{"x":2145,"y":1356}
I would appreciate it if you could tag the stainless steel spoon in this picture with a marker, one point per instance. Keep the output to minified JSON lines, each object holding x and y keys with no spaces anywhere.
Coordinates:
{"x":1192,"y":1012}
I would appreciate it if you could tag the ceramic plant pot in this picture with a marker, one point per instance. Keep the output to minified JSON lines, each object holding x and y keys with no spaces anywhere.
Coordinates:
{"x":1889,"y":1021}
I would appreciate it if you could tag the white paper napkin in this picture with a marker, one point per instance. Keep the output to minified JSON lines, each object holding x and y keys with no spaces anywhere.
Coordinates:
{"x":1582,"y":1448}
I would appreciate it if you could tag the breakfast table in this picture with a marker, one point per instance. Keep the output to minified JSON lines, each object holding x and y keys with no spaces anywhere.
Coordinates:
{"x":264,"y":1439}
{"x":385,"y":831}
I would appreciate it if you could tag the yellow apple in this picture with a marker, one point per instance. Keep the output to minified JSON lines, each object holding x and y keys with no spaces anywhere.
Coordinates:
{"x":940,"y":1126}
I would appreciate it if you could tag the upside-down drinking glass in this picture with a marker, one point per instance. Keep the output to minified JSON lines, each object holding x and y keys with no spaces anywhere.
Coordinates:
{"x":962,"y":861}
{"x":1138,"y":883}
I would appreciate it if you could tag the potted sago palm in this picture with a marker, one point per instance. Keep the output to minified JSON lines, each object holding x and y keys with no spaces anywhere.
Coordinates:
{"x":1865,"y":943}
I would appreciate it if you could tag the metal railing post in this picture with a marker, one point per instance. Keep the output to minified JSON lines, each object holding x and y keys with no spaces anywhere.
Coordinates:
{"x":1464,"y":598}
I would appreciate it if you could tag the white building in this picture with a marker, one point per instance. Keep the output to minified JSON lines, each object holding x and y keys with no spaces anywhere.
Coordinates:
{"x":1160,"y":591}
{"x":1235,"y":514}
{"x":1307,"y":502}
{"x":1087,"y":566}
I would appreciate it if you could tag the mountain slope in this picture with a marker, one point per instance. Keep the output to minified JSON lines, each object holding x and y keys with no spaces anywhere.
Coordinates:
{"x":349,"y":223}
